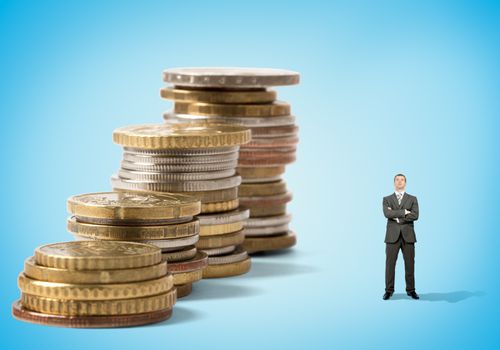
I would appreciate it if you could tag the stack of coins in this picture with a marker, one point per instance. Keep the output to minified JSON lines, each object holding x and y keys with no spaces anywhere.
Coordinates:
{"x":163,"y":220}
{"x":95,"y":284}
{"x":199,"y":160}
{"x":241,"y":96}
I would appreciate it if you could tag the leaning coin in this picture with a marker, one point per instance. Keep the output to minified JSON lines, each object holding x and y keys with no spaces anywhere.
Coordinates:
{"x":230,"y":77}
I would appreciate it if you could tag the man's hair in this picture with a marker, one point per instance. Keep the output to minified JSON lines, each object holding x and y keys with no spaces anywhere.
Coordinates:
{"x":399,"y":175}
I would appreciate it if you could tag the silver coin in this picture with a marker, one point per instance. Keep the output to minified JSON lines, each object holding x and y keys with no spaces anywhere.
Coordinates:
{"x":224,"y":218}
{"x":238,"y":255}
{"x":260,"y":179}
{"x":183,"y":152}
{"x":180,"y":160}
{"x":220,"y":251}
{"x":265,"y":231}
{"x":268,"y":221}
{"x":179,"y":168}
{"x":252,"y":122}
{"x":230,"y":77}
{"x":185,"y":186}
{"x":174,"y":177}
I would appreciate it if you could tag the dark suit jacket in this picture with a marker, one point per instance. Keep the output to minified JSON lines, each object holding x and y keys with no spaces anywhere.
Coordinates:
{"x":405,"y":226}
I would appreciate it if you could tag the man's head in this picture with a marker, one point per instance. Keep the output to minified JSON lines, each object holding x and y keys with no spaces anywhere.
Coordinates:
{"x":399,"y":182}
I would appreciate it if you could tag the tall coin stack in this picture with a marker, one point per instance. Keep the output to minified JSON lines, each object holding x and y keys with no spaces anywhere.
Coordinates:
{"x":241,"y":96}
{"x":199,"y":160}
{"x":95,"y":284}
{"x":164,"y":220}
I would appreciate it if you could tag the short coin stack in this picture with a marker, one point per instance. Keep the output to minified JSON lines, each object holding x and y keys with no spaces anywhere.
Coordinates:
{"x":241,"y":96}
{"x":163,"y":220}
{"x":199,"y":160}
{"x":93,"y":284}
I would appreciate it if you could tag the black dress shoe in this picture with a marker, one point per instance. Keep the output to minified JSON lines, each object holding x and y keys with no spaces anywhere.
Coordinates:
{"x":387,"y":295}
{"x":413,"y":295}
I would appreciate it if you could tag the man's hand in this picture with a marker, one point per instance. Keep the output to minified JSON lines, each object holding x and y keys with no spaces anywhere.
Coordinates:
{"x":407,"y":212}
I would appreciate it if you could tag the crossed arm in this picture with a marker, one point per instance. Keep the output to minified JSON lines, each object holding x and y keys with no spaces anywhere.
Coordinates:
{"x":406,"y":215}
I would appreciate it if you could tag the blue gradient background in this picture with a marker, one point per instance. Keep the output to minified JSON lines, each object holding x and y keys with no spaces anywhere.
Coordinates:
{"x":386,"y":87}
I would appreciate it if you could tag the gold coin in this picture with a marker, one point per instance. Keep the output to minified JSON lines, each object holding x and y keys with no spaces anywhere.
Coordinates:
{"x":184,"y":290}
{"x":99,"y":307}
{"x":260,"y":244}
{"x":187,"y":277}
{"x":218,"y":96}
{"x":121,"y":205}
{"x":108,"y":291}
{"x":133,"y":233}
{"x":210,"y":242}
{"x":219,"y":206}
{"x":180,"y":255}
{"x":274,"y":109}
{"x":51,"y":274}
{"x":226,"y":270}
{"x":259,"y":173}
{"x":182,"y":135}
{"x":262,"y":189}
{"x":97,"y":255}
{"x":210,"y":230}
{"x":270,"y":210}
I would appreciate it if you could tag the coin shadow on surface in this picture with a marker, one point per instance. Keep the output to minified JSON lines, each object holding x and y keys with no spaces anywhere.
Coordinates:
{"x":219,"y":289}
{"x":180,"y":314}
{"x":450,"y":297}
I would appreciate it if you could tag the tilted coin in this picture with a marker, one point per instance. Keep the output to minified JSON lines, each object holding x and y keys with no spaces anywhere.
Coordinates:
{"x":174,"y":177}
{"x":97,"y":255}
{"x":268,"y":221}
{"x":133,"y":233}
{"x":227,"y":270}
{"x":52,"y":274}
{"x":186,"y":253}
{"x":218,"y":96}
{"x":253,"y":122}
{"x":262,"y":189}
{"x":133,"y":206}
{"x":220,"y":251}
{"x":99,"y":307}
{"x":182,"y":135}
{"x":108,"y":291}
{"x":24,"y":314}
{"x":224,"y":218}
{"x":230,"y":77}
{"x":260,"y":110}
{"x":185,"y":186}
{"x":261,"y":244}
{"x":218,"y":241}
{"x":265,"y":231}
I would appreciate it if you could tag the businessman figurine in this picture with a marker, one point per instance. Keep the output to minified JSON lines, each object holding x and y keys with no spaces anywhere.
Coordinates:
{"x":401,"y":210}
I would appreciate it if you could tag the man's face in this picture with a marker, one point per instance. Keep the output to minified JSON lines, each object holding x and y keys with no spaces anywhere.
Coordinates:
{"x":399,"y":183}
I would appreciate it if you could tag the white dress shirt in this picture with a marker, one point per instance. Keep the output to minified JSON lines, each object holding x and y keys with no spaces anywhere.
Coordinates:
{"x":402,"y":195}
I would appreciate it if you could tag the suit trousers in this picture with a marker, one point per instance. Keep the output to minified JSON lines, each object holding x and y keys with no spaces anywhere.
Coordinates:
{"x":391,"y":254}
